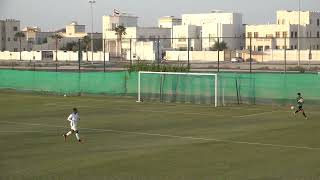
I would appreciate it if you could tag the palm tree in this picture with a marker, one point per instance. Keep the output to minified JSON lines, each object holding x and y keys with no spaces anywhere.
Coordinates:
{"x":87,"y":41}
{"x":20,"y":35}
{"x":56,"y":37}
{"x":120,"y":31}
{"x":219,"y":46}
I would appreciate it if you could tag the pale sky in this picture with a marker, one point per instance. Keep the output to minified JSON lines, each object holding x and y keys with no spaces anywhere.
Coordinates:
{"x":55,"y":14}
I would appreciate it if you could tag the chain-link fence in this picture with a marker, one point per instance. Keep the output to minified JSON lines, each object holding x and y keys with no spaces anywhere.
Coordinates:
{"x":232,"y":88}
{"x":249,"y":54}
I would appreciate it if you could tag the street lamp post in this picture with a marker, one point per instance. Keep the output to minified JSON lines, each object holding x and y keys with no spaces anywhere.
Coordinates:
{"x":299,"y":58}
{"x":91,"y":5}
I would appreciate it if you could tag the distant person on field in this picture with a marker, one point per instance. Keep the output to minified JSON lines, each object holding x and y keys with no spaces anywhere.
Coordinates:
{"x":74,"y":119}
{"x":300,"y":102}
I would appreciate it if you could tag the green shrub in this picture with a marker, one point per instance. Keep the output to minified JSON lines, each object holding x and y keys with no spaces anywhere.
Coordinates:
{"x":153,"y":67}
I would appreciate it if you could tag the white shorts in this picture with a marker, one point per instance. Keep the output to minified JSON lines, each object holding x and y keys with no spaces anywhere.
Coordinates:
{"x":73,"y":126}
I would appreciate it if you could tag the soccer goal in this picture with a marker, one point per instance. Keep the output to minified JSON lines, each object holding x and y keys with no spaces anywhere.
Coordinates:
{"x":198,"y":88}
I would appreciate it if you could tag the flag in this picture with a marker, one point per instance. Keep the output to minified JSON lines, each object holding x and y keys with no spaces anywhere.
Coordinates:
{"x":116,"y":12}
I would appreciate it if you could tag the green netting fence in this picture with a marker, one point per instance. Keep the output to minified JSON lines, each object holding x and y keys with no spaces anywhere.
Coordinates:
{"x":233,"y":88}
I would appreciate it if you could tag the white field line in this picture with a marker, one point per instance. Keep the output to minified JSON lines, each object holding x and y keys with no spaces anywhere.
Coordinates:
{"x":21,"y":131}
{"x":167,"y":106}
{"x":256,"y":114}
{"x":179,"y":137}
{"x":143,"y":110}
{"x":168,"y":112}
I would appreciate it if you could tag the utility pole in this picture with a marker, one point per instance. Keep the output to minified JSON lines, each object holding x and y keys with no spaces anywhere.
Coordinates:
{"x":91,"y":5}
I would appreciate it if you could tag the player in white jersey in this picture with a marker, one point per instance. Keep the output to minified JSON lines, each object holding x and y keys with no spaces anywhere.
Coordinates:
{"x":74,"y":119}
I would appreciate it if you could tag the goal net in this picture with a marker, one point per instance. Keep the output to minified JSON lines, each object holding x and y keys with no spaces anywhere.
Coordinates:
{"x":199,"y":88}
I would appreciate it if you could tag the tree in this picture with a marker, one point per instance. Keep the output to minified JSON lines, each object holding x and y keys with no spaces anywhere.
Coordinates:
{"x":20,"y":35}
{"x":70,"y":46}
{"x":219,"y":46}
{"x":56,"y":37}
{"x":87,"y":41}
{"x":120,"y":31}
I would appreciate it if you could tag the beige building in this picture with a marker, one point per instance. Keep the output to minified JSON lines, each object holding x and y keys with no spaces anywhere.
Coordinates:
{"x":71,"y":33}
{"x":284,"y":34}
{"x":8,"y":41}
{"x":74,"y":30}
{"x":35,"y":36}
{"x":169,"y":22}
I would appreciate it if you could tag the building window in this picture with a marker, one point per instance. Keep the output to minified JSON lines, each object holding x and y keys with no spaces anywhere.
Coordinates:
{"x":212,"y":38}
{"x":284,"y":34}
{"x":318,"y":22}
{"x":295,"y":47}
{"x":256,"y":34}
{"x":296,"y":34}
{"x":266,"y":47}
{"x":292,"y":34}
{"x":141,"y":38}
{"x":318,"y":47}
{"x":277,"y":34}
{"x":15,"y":49}
{"x":318,"y":34}
{"x":260,"y":48}
{"x":269,"y":35}
{"x":15,"y":28}
{"x":277,"y":47}
{"x":182,"y":39}
{"x":310,"y":21}
{"x":249,"y":34}
{"x":113,"y":26}
{"x":9,"y":39}
{"x":291,"y":47}
{"x":152,"y":38}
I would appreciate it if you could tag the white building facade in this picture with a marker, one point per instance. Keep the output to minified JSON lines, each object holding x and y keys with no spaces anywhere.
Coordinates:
{"x":286,"y":33}
{"x":135,"y":38}
{"x":211,"y":27}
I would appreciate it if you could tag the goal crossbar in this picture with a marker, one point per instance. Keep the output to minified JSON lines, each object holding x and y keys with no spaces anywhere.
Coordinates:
{"x":179,"y":73}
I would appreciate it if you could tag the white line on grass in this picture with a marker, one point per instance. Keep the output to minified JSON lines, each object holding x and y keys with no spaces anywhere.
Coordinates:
{"x":179,"y":137}
{"x":144,"y":110}
{"x":21,"y":131}
{"x":256,"y":114}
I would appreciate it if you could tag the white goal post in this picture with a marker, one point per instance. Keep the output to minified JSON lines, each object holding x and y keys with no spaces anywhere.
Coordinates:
{"x":215,"y":78}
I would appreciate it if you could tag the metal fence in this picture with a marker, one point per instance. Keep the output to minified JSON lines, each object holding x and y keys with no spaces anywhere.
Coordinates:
{"x":199,"y":53}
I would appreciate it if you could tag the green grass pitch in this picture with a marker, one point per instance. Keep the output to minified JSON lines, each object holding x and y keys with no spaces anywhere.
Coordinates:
{"x":125,"y":140}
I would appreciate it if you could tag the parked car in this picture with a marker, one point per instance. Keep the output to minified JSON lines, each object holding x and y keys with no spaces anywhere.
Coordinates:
{"x":237,"y":60}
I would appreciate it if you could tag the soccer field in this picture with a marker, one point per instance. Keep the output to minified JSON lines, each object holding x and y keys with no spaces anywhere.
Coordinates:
{"x":132,"y":141}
